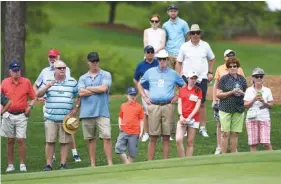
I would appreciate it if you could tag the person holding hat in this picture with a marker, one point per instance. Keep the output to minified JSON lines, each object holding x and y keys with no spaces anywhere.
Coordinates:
{"x":131,"y":127}
{"x":18,"y":89}
{"x":221,"y":71}
{"x":94,"y":87}
{"x":197,"y":55}
{"x":176,"y":32}
{"x":160,"y":100}
{"x":258,"y":99}
{"x":48,"y":72}
{"x":142,"y":67}
{"x":60,"y":91}
{"x":189,"y":101}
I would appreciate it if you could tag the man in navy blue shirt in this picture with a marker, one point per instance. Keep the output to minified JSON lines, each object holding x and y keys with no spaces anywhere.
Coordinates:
{"x":141,"y":68}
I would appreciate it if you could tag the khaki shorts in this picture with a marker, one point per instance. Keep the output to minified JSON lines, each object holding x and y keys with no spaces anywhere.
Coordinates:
{"x":160,"y":119}
{"x":89,"y":126}
{"x":14,"y":126}
{"x":172,"y":62}
{"x":52,"y":129}
{"x":231,"y":122}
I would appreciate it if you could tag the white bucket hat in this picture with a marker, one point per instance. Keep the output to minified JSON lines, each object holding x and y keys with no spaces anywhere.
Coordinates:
{"x":162,"y":54}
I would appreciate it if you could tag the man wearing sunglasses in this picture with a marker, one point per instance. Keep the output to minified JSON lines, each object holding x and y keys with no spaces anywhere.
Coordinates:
{"x":142,"y":67}
{"x":160,"y":100}
{"x":176,"y":32}
{"x":197,"y":55}
{"x":53,"y":56}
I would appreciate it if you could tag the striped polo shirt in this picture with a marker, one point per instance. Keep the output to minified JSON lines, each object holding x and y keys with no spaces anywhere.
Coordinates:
{"x":60,"y":98}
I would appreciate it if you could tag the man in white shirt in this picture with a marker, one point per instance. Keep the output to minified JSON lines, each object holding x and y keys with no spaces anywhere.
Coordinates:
{"x":197,"y":55}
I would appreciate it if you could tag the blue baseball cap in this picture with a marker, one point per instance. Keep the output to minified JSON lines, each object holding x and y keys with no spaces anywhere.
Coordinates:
{"x":132,"y":91}
{"x":14,"y":65}
{"x":172,"y":6}
{"x":147,"y":48}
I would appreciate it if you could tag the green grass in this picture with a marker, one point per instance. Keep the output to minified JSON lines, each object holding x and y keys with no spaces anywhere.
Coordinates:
{"x":243,"y":168}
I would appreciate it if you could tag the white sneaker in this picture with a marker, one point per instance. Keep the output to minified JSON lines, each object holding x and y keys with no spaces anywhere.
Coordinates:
{"x":10,"y":168}
{"x":185,"y":134}
{"x":218,"y":151}
{"x":203,"y":132}
{"x":23,"y":168}
{"x":145,"y":137}
{"x":171,"y":139}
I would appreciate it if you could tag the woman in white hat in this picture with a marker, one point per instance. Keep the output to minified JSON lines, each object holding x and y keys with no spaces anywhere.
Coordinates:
{"x":189,"y":102}
{"x":258,"y":99}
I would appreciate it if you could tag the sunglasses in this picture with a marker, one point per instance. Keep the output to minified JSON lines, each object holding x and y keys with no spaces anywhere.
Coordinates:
{"x":154,"y":21}
{"x":193,"y":78}
{"x":258,"y":76}
{"x":162,"y":59}
{"x":195,"y":32}
{"x":61,"y":68}
{"x":53,"y":57}
{"x":232,"y":66}
{"x":150,"y":52}
{"x":94,"y":61}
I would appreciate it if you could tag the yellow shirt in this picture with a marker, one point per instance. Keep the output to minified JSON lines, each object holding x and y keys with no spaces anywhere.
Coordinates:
{"x":223,"y":70}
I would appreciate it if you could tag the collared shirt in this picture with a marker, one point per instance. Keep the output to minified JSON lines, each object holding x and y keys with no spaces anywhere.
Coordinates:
{"x":195,"y":58}
{"x":141,"y":68}
{"x":233,"y":103}
{"x":131,"y":114}
{"x":18,"y":93}
{"x":223,"y":70}
{"x":4,"y":99}
{"x":262,"y":113}
{"x":96,"y":105}
{"x":175,"y":33}
{"x":59,"y":98}
{"x":48,"y":72}
{"x":161,"y":83}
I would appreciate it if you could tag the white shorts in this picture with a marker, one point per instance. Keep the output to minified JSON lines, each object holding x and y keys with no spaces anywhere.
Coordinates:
{"x":144,"y":104}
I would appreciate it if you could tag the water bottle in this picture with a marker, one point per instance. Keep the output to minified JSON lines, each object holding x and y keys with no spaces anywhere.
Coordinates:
{"x":237,"y":86}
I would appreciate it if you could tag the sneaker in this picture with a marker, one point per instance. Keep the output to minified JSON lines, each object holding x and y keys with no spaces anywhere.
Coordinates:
{"x":62,"y":166}
{"x":145,"y":137}
{"x":218,"y":151}
{"x":203,"y":132}
{"x":48,"y":168}
{"x":171,"y":139}
{"x":10,"y":168}
{"x":76,"y":158}
{"x":23,"y":168}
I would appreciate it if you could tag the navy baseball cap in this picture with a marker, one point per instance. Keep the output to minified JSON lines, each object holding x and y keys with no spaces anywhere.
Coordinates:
{"x":15,"y":65}
{"x":147,"y":48}
{"x":93,"y":56}
{"x":132,"y":91}
{"x":172,"y":6}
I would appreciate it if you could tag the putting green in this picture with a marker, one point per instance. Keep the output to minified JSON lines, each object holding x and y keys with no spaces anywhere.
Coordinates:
{"x":257,"y":168}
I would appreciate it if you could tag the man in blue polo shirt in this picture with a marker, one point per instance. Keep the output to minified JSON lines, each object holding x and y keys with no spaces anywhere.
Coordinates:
{"x":141,"y":68}
{"x":160,"y":98}
{"x":94,"y":89}
{"x":176,"y":33}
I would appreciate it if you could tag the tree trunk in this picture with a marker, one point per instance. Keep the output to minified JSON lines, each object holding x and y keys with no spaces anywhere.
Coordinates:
{"x":14,"y":35}
{"x":112,"y":11}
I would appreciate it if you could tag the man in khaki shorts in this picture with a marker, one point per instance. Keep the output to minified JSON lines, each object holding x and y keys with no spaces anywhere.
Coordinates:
{"x":94,"y":92}
{"x":160,"y":100}
{"x":60,"y":91}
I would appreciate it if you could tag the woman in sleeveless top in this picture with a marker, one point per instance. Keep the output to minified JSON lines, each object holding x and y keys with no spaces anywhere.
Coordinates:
{"x":155,"y":36}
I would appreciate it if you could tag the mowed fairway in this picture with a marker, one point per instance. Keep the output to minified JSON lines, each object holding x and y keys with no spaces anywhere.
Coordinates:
{"x":242,"y":168}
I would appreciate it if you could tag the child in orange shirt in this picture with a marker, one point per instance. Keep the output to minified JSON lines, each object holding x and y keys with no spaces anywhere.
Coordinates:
{"x":131,"y":127}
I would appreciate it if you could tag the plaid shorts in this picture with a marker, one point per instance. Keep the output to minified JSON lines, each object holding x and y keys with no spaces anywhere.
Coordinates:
{"x":258,"y":132}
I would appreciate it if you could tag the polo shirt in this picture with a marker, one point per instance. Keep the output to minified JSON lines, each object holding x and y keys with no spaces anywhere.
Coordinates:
{"x":232,"y":104}
{"x":196,"y":58}
{"x":131,"y":114}
{"x":59,"y":98}
{"x":141,"y":68}
{"x":262,"y":113}
{"x":4,"y":99}
{"x":18,"y":93}
{"x":175,"y":33}
{"x":96,"y":105}
{"x":189,"y":98}
{"x":223,"y":70}
{"x":161,"y":83}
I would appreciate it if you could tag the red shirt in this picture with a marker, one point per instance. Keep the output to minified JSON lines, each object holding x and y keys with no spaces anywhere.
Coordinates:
{"x":188,"y":100}
{"x":131,"y":113}
{"x":18,"y":93}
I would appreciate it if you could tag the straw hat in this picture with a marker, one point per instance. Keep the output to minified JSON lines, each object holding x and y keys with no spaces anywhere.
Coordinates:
{"x":70,"y":124}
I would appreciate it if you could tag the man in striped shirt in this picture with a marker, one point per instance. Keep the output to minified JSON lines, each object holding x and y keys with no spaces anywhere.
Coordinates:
{"x":60,"y":92}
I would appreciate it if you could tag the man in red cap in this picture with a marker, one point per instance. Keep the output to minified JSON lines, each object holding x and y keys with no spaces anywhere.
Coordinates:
{"x":48,"y":72}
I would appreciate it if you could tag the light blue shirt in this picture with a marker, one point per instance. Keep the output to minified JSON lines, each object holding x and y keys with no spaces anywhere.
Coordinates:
{"x":96,"y":105}
{"x":59,"y":98}
{"x":175,"y":32}
{"x":161,"y":83}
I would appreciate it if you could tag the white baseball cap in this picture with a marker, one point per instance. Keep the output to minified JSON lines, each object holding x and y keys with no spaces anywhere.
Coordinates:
{"x":192,"y":74}
{"x":162,"y":54}
{"x":228,"y":51}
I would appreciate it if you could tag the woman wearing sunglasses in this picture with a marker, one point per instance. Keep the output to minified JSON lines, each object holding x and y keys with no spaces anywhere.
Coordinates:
{"x":155,"y":36}
{"x":230,"y":92}
{"x":258,"y":99}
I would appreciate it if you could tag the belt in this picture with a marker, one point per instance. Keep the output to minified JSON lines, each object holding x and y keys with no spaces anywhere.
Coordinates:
{"x":17,"y":113}
{"x":161,"y":103}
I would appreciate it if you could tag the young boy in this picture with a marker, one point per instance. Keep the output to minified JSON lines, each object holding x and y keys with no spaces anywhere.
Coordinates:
{"x":131,"y":127}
